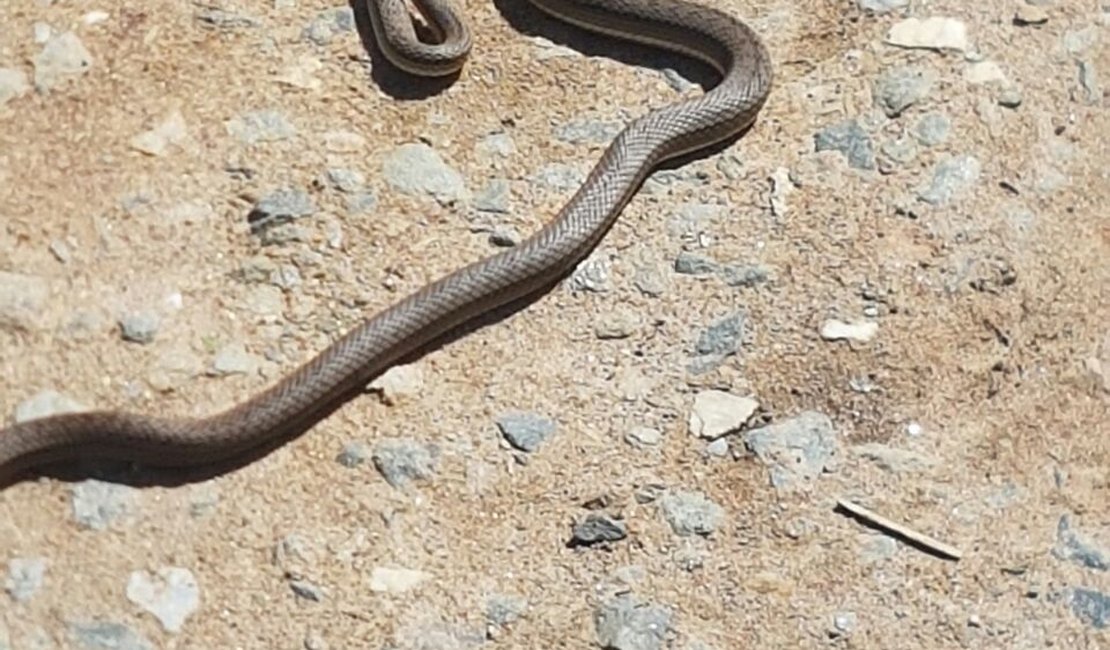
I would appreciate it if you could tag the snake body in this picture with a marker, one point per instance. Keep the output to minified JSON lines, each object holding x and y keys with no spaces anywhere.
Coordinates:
{"x":343,"y":369}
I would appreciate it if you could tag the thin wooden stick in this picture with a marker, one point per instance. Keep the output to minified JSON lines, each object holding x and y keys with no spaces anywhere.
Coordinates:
{"x":918,"y":539}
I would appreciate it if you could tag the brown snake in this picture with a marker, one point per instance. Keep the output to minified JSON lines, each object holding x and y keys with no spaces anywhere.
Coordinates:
{"x":342,"y":370}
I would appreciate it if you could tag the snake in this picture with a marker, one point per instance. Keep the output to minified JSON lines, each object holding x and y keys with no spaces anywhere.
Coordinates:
{"x":344,"y":368}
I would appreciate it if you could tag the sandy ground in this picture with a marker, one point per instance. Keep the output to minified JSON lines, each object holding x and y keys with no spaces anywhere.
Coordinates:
{"x":988,"y":370}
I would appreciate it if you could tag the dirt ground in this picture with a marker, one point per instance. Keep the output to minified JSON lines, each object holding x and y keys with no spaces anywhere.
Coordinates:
{"x":987,"y":381}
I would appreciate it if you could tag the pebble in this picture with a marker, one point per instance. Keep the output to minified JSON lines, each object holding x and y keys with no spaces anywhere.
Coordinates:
{"x":345,"y":180}
{"x":882,"y":6}
{"x":45,"y":403}
{"x":1073,"y":546}
{"x":23,"y":301}
{"x":984,"y":72}
{"x":62,"y":58}
{"x":265,"y":301}
{"x":952,"y":177}
{"x":227,"y":20}
{"x":649,"y":279}
{"x":361,"y":203}
{"x":401,"y":461}
{"x":396,"y":580}
{"x":301,"y":73}
{"x":690,"y":513}
{"x":105,"y":635}
{"x":344,"y":142}
{"x":97,"y":505}
{"x":306,"y":590}
{"x":898,"y":88}
{"x":172,"y":131}
{"x":1028,"y":14}
{"x":935,"y":32}
{"x":494,"y":197}
{"x":592,"y":275}
{"x":643,"y":437}
{"x":717,"y":413}
{"x":13,"y":84}
{"x":559,"y":176}
{"x":25,"y":577}
{"x":140,"y":326}
{"x":1091,"y":607}
{"x":723,"y":337}
{"x":844,"y":623}
{"x":171,"y":595}
{"x":417,"y":169}
{"x":625,"y":623}
{"x":280,"y":207}
{"x":877,"y":548}
{"x":596,"y":528}
{"x":505,"y":609}
{"x":328,"y":24}
{"x":849,"y":138}
{"x":260,"y":126}
{"x":589,"y":131}
{"x":233,"y":359}
{"x":835,"y":330}
{"x":797,"y":450}
{"x":399,"y":382}
{"x":932,"y":129}
{"x":617,"y":324}
{"x":718,"y":448}
{"x":524,"y":430}
{"x":496,"y":145}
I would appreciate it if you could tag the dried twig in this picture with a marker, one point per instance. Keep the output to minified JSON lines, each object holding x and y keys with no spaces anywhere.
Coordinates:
{"x":920,"y":540}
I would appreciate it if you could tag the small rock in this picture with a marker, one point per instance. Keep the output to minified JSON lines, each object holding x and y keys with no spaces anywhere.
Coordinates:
{"x":525,"y":431}
{"x":935,"y":32}
{"x":716,"y":413}
{"x":301,"y":73}
{"x":592,"y":275}
{"x":951,"y":178}
{"x":589,"y":131}
{"x":623,"y":623}
{"x":797,"y":450}
{"x":13,"y":84}
{"x":418,"y":169}
{"x":171,"y":596}
{"x":596,"y":528}
{"x":1091,"y":607}
{"x":688,"y":263}
{"x":690,"y":513}
{"x":849,"y":138}
{"x":834,"y":330}
{"x":894,"y":460}
{"x":353,"y":454}
{"x":97,"y":504}
{"x":401,"y":461}
{"x":102,"y":635}
{"x":260,"y":126}
{"x":306,"y":590}
{"x":25,"y":577}
{"x":1073,"y":546}
{"x":502,"y":610}
{"x":882,"y":6}
{"x":643,"y":437}
{"x":227,"y":20}
{"x":139,"y":327}
{"x":345,"y":180}
{"x":344,"y":142}
{"x":984,"y":72}
{"x":396,"y":580}
{"x":399,"y":382}
{"x":63,"y":57}
{"x":616,"y":325}
{"x":559,"y":176}
{"x":170,"y":132}
{"x":844,"y":623}
{"x":279,"y":207}
{"x":46,"y":403}
{"x":233,"y":359}
{"x":494,"y":198}
{"x":932,"y":129}
{"x":1028,"y":14}
{"x":22,"y":301}
{"x":496,"y":145}
{"x":722,"y":337}
{"x":899,"y":88}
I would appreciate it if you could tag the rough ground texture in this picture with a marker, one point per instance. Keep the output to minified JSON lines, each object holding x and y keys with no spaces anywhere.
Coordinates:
{"x":894,"y":290}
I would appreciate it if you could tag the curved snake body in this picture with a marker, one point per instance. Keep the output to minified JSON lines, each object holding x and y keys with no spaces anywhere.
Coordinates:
{"x":340,"y":371}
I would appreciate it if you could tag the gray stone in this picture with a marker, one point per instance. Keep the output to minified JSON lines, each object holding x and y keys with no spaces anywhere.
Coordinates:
{"x":279,"y":207}
{"x":797,"y":450}
{"x":1091,"y":607}
{"x":951,"y":178}
{"x":848,"y":138}
{"x":625,"y":623}
{"x":524,"y":430}
{"x":171,"y":595}
{"x":103,"y":635}
{"x":1073,"y":546}
{"x":97,"y":505}
{"x":345,"y":180}
{"x":932,"y":129}
{"x":505,"y":609}
{"x":899,"y":88}
{"x":882,"y":6}
{"x":559,"y":176}
{"x":589,"y":131}
{"x":23,"y":301}
{"x":598,"y":527}
{"x":46,"y":403}
{"x":140,"y":326}
{"x":418,"y":169}
{"x":226,"y":20}
{"x":690,"y":513}
{"x":401,"y":461}
{"x":260,"y":126}
{"x":353,"y":454}
{"x":494,"y":197}
{"x":13,"y":84}
{"x":722,"y":337}
{"x":25,"y":577}
{"x":63,"y":57}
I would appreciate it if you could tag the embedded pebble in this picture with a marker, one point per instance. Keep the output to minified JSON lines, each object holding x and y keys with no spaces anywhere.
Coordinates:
{"x":25,"y":577}
{"x":105,"y":635}
{"x":505,"y":609}
{"x":643,"y":437}
{"x":1028,"y":14}
{"x":559,"y":176}
{"x":717,"y":413}
{"x":984,"y":72}
{"x":171,"y":595}
{"x":233,"y":359}
{"x":525,"y":431}
{"x":45,"y":403}
{"x":592,"y":275}
{"x":625,"y":623}
{"x":227,"y":20}
{"x":353,"y":454}
{"x":328,"y":24}
{"x":301,"y":73}
{"x":280,"y":207}
{"x":494,"y":197}
{"x":797,"y":450}
{"x":396,"y":580}
{"x":690,"y":513}
{"x":617,"y":324}
{"x":1073,"y":546}
{"x":345,"y":180}
{"x":835,"y":330}
{"x":1092,"y":607}
{"x":498,"y":145}
{"x":22,"y":301}
{"x":722,"y":337}
{"x":343,"y":142}
{"x":401,"y":461}
{"x":892,"y":459}
{"x":935,"y":32}
{"x":97,"y":504}
{"x":589,"y":131}
{"x":418,"y":169}
{"x":362,"y":202}
{"x":399,"y":382}
{"x":952,"y":176}
{"x":260,"y":126}
{"x":306,"y":590}
{"x":882,"y":6}
{"x":899,"y":88}
{"x":849,"y":138}
{"x":62,"y":58}
{"x":140,"y":326}
{"x":170,"y":132}
{"x":13,"y":84}
{"x":596,"y":528}
{"x":932,"y":129}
